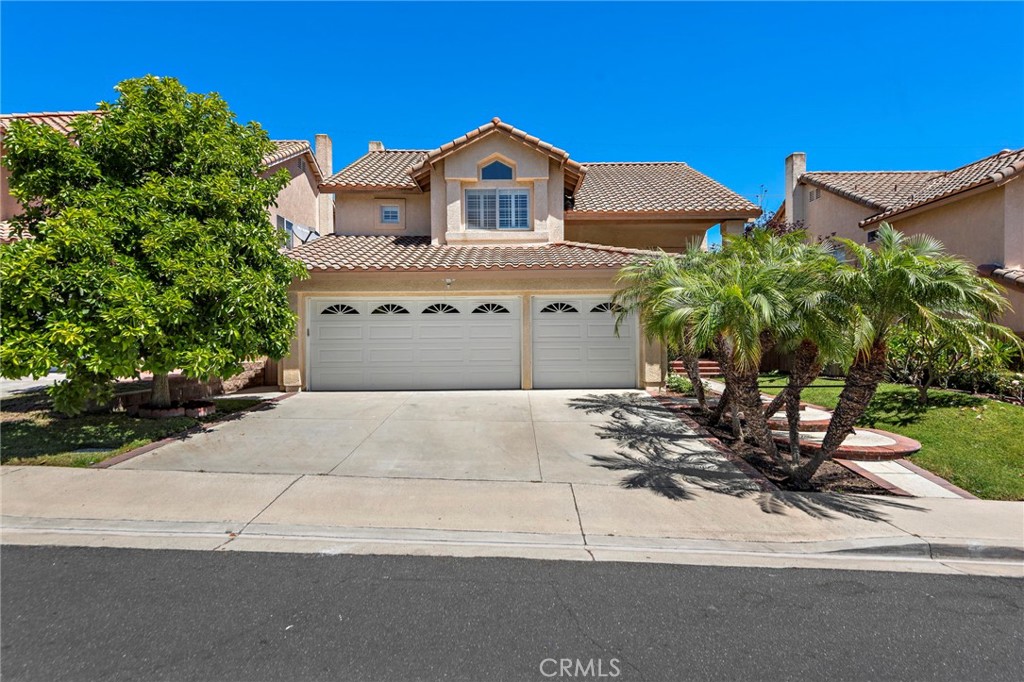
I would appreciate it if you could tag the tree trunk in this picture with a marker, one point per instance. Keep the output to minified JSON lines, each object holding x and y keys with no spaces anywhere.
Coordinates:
{"x":793,"y":417}
{"x":718,"y":413}
{"x":861,"y":383}
{"x":692,"y":365}
{"x":806,"y":368}
{"x":161,"y":392}
{"x":922,"y":394}
{"x":749,"y":394}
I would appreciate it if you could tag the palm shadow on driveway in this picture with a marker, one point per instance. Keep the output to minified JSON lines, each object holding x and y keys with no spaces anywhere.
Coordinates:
{"x":659,"y":452}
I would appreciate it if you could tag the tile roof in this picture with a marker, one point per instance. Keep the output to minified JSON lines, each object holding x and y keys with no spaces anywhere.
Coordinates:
{"x":657,"y":187}
{"x":388,"y":253}
{"x":61,"y":122}
{"x":288,"y":150}
{"x":880,"y":190}
{"x":497,"y":125}
{"x":1008,"y":277}
{"x":894,"y":192}
{"x":9,"y":233}
{"x":58,"y":120}
{"x":384,"y":169}
{"x":990,"y":170}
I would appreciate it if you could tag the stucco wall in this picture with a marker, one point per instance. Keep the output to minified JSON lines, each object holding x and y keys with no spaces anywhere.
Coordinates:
{"x":297,"y":202}
{"x":831,"y":213}
{"x":9,"y":206}
{"x":971,"y":227}
{"x":670,"y":235}
{"x":465,"y":283}
{"x":359,"y":213}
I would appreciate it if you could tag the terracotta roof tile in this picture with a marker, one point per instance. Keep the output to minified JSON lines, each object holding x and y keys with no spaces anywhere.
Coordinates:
{"x":496,"y":125}
{"x":880,"y":190}
{"x":1008,"y":277}
{"x":388,"y":168}
{"x":656,"y":187}
{"x":388,"y":253}
{"x":288,"y":150}
{"x":990,"y":170}
{"x":58,"y":120}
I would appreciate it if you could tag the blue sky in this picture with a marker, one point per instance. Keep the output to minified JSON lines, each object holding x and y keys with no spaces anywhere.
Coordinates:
{"x":730,"y":88}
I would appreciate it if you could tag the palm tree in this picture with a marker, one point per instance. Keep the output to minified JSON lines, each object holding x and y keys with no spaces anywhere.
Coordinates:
{"x":903,"y":280}
{"x":642,"y":280}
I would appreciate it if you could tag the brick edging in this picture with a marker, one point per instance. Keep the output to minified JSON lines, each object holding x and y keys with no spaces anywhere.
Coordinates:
{"x":149,"y":447}
{"x":745,"y":467}
{"x":936,"y":479}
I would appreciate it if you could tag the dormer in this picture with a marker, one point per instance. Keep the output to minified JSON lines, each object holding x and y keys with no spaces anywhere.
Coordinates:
{"x":495,"y":185}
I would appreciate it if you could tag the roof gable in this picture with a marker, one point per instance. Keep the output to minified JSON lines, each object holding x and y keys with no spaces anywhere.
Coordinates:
{"x":420,"y":172}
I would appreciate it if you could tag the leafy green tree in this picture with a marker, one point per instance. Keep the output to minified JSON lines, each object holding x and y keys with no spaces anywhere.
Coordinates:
{"x":151,"y":246}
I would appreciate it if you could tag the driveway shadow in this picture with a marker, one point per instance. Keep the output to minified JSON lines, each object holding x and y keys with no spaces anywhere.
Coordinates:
{"x":658,"y":452}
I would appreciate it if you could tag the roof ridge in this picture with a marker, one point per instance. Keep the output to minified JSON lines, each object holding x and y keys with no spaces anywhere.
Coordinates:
{"x":870,"y":172}
{"x":1002,"y":152}
{"x":32,"y":114}
{"x":603,"y":247}
{"x":635,"y":163}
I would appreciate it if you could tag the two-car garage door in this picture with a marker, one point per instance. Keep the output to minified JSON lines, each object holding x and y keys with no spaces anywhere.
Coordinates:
{"x":466,"y":343}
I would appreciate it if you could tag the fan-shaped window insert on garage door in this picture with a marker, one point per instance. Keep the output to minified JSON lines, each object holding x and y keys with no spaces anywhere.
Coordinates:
{"x":573,"y":349}
{"x":413,"y":344}
{"x":339,"y":309}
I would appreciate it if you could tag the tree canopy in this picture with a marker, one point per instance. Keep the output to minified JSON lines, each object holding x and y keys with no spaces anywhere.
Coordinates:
{"x":151,"y":248}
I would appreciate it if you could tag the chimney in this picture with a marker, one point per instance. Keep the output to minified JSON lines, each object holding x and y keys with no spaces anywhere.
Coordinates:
{"x":796,"y":165}
{"x":325,"y":200}
{"x":376,"y":146}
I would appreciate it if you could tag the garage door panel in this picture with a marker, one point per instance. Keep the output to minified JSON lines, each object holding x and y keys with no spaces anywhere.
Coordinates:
{"x":390,"y":355}
{"x":328,"y":355}
{"x":493,"y":331}
{"x":505,"y":354}
{"x":451,"y":355}
{"x":609,"y":354}
{"x":542,"y":354}
{"x":333,"y":332}
{"x":391,"y":331}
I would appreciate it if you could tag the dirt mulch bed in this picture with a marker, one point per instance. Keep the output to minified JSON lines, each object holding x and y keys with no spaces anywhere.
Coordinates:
{"x":830,"y":477}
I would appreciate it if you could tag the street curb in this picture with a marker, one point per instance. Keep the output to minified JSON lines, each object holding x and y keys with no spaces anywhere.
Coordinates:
{"x":288,"y":537}
{"x":198,"y":428}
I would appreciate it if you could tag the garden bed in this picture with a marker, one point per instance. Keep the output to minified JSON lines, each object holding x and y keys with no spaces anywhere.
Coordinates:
{"x":33,"y":434}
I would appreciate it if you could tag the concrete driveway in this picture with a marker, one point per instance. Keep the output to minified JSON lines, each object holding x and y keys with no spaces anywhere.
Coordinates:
{"x":582,"y":436}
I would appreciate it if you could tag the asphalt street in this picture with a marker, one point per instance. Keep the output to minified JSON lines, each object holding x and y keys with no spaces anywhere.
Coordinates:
{"x":114,"y":614}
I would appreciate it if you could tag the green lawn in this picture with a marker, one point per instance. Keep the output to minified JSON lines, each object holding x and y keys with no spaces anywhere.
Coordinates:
{"x":30,"y":433}
{"x":975,"y":443}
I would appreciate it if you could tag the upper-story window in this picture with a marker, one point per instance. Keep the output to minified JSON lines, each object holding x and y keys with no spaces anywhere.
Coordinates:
{"x":501,"y":209}
{"x":496,"y":170}
{"x":390,"y":214}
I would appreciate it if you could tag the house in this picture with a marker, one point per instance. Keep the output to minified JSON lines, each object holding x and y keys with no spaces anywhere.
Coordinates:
{"x":976,"y":211}
{"x":299,"y":206}
{"x":488,"y":262}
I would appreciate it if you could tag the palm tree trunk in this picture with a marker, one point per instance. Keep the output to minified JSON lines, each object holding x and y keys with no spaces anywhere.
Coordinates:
{"x":861,"y":383}
{"x":793,"y":417}
{"x":749,"y":394}
{"x":161,"y":391}
{"x":806,"y":368}
{"x":692,"y":365}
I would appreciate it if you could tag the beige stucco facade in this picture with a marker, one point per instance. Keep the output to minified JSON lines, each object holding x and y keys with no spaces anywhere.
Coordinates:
{"x":292,"y":370}
{"x":985,"y":225}
{"x":359,"y":213}
{"x":297,"y":202}
{"x":638,"y":233}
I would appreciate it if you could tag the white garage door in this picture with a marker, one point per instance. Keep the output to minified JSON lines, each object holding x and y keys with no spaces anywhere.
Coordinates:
{"x":395,"y":344}
{"x":575,"y":345}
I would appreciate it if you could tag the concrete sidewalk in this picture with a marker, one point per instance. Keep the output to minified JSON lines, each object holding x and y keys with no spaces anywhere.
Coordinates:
{"x":339,"y":514}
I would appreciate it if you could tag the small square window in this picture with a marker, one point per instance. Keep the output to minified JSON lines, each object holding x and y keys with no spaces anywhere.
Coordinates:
{"x":872,"y":235}
{"x":390,"y":214}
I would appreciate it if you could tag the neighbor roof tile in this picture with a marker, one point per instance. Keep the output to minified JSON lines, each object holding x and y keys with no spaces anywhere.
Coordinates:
{"x":388,"y":168}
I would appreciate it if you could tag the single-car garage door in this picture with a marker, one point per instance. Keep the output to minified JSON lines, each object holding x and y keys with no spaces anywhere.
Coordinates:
{"x":395,"y":344}
{"x":575,"y":344}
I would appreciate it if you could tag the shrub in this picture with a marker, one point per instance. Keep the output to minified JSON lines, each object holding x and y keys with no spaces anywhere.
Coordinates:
{"x":679,"y":384}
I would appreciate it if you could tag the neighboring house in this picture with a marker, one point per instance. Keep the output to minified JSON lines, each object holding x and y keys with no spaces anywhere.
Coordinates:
{"x":489,"y":262}
{"x":300,"y":209}
{"x":976,"y":211}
